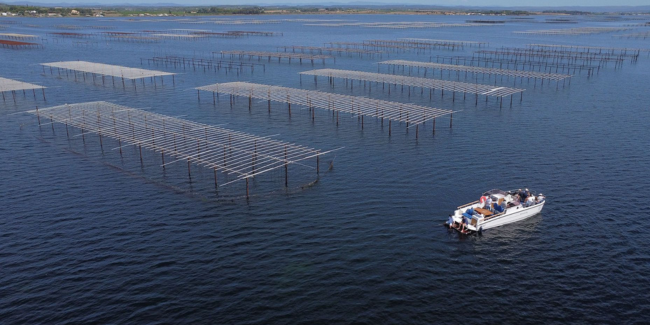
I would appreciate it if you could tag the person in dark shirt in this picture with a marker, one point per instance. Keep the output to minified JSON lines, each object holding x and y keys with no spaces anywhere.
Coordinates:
{"x":463,"y":225}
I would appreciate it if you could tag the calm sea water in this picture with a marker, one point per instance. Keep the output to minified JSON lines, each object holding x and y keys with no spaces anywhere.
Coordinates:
{"x":88,"y":237}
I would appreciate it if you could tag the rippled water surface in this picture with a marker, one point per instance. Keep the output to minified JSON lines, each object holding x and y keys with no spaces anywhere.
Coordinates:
{"x":89,"y":237}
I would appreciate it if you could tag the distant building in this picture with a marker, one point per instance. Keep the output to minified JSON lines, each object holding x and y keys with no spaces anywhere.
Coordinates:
{"x":74,"y":12}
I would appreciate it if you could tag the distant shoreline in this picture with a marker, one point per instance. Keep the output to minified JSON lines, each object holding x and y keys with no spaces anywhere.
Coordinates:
{"x":9,"y":11}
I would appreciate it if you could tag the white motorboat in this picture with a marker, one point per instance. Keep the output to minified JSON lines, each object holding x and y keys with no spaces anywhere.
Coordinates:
{"x":496,"y":208}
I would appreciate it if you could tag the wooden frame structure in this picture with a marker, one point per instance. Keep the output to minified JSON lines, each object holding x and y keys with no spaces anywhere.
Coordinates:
{"x":17,"y":36}
{"x":632,"y":54}
{"x":511,"y":64}
{"x":398,"y":24}
{"x":70,"y":35}
{"x":133,"y":38}
{"x":243,"y":22}
{"x":330,"y":50}
{"x":101,"y":27}
{"x":253,"y":33}
{"x":202,"y":64}
{"x":485,"y":21}
{"x":446,"y":41}
{"x":18,"y":44}
{"x":423,"y":83}
{"x":222,"y":150}
{"x":555,"y":57}
{"x":178,"y":37}
{"x":278,"y":55}
{"x":574,"y":31}
{"x":62,"y":26}
{"x":103,"y":70}
{"x":591,"y":49}
{"x":360,"y":106}
{"x":411,"y":44}
{"x":10,"y":85}
{"x":557,"y":77}
{"x":391,"y":45}
{"x":640,"y":35}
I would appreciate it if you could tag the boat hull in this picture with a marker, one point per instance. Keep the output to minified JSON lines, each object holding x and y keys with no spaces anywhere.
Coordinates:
{"x":512,"y":215}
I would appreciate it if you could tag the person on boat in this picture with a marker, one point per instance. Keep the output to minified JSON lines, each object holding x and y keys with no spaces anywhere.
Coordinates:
{"x":541,"y":198}
{"x":526,"y":193}
{"x":530,"y":200}
{"x":463,"y":225}
{"x":450,"y":221}
{"x":519,"y":195}
{"x":488,"y":203}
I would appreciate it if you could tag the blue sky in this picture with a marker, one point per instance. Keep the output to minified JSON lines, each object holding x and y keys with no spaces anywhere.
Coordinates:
{"x":519,"y":3}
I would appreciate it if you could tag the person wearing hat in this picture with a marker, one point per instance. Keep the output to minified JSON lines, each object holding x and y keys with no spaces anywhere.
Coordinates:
{"x":541,"y":198}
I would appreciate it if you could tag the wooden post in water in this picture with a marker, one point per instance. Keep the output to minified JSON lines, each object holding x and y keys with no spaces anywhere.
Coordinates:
{"x":38,"y":116}
{"x":286,"y":168}
{"x":289,"y":105}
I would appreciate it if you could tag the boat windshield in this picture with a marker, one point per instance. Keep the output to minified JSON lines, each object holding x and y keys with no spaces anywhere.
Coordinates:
{"x":495,"y":191}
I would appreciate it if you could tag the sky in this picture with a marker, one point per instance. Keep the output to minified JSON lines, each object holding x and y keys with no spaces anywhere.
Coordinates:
{"x":505,"y":3}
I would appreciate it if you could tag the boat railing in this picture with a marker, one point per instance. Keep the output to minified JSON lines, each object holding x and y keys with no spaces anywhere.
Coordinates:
{"x":468,"y":204}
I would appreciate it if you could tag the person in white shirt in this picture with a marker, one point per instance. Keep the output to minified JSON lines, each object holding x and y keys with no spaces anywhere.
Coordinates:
{"x":530,"y":200}
{"x":540,"y":198}
{"x":488,"y":203}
